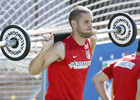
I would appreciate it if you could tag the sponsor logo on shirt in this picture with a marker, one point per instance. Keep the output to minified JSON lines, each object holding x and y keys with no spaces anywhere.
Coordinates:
{"x":79,"y":64}
{"x":125,"y":64}
{"x":75,"y":56}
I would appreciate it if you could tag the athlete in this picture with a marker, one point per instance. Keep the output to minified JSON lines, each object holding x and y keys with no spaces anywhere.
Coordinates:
{"x":69,"y":59}
{"x":126,"y":78}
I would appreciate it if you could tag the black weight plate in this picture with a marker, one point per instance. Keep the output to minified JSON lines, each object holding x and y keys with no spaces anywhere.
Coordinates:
{"x":22,"y":47}
{"x":130,"y":34}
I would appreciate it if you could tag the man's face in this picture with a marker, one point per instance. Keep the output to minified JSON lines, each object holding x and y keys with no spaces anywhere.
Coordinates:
{"x":84,"y":25}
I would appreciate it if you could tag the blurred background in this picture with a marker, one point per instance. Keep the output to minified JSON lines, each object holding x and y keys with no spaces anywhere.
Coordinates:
{"x":45,"y":16}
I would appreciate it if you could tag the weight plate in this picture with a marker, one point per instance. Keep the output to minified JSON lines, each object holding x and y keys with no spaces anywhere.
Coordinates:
{"x":22,"y":47}
{"x":130,"y":29}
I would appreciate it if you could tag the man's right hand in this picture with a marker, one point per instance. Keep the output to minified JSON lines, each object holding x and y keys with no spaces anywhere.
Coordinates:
{"x":49,"y":41}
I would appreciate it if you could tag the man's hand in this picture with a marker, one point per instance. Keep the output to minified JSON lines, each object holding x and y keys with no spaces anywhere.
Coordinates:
{"x":49,"y":41}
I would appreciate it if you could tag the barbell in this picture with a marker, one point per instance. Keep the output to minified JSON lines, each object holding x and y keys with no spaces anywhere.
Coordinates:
{"x":15,"y":41}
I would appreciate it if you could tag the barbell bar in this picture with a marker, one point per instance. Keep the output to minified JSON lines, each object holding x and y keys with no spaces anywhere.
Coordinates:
{"x":15,"y":41}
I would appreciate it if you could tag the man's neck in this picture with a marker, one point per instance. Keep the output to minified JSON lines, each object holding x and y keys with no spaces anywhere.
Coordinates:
{"x":78,"y":39}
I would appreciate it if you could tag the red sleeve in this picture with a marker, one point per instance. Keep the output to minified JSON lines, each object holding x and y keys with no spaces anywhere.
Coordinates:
{"x":109,"y":70}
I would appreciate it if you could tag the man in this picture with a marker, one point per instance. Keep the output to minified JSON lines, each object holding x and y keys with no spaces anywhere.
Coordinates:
{"x":69,"y":59}
{"x":126,"y":78}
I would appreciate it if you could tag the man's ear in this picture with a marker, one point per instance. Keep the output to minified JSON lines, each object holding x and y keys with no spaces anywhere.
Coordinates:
{"x":73,"y":23}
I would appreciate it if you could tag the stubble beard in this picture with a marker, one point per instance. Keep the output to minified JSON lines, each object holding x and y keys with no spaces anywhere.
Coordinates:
{"x":84,"y":34}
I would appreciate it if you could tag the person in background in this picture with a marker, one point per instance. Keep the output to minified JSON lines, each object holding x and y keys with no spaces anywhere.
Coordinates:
{"x":126,"y":78}
{"x":68,"y":60}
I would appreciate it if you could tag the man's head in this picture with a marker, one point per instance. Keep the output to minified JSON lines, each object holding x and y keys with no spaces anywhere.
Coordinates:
{"x":75,"y":13}
{"x":81,"y":19}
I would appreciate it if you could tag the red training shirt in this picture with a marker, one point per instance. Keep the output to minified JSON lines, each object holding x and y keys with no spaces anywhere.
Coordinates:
{"x":67,"y":77}
{"x":125,"y":73}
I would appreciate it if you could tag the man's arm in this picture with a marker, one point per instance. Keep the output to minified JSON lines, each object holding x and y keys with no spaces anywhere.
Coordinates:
{"x":138,"y":90}
{"x":93,"y":40}
{"x":50,"y":52}
{"x":98,"y":81}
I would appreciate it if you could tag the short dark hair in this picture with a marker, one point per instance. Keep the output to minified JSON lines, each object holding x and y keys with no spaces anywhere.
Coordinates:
{"x":138,"y":47}
{"x":75,"y":13}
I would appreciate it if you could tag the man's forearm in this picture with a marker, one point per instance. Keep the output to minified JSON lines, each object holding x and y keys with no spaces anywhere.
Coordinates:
{"x":101,"y":89}
{"x":93,"y":40}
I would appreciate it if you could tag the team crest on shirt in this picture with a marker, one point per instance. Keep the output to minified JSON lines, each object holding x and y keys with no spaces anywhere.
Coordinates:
{"x":87,"y":54}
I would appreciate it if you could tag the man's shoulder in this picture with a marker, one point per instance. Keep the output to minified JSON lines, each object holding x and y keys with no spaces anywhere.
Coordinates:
{"x":59,"y":45}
